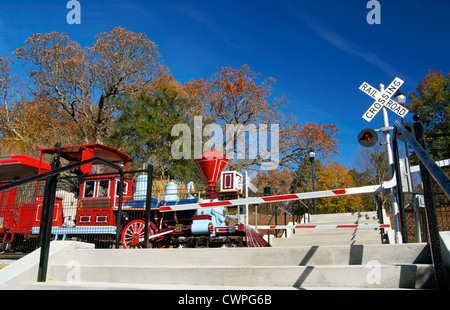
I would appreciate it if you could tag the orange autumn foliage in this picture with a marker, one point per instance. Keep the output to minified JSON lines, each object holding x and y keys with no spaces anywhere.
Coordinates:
{"x":240,"y":96}
{"x":333,"y":175}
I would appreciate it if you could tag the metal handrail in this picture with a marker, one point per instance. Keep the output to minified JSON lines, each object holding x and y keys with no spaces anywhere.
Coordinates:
{"x":427,"y":167}
{"x":436,"y":172}
{"x":47,"y":174}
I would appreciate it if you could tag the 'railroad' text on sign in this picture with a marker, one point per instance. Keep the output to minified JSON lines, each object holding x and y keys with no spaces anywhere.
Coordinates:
{"x":383,"y":99}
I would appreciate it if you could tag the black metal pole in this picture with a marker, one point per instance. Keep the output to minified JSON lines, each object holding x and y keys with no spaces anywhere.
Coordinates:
{"x":276,"y":221}
{"x":313,"y":184}
{"x":285,"y":219}
{"x":119,"y":210}
{"x":433,"y":227}
{"x":148,"y":205}
{"x":46,"y":221}
{"x":44,"y":211}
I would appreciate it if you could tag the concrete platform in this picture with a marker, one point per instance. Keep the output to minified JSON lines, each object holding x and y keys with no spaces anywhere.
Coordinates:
{"x":341,"y":236}
{"x":291,"y":265}
{"x":73,"y":266}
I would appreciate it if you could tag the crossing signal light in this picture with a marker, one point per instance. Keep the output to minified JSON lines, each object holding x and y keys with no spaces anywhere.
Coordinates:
{"x":368,"y":137}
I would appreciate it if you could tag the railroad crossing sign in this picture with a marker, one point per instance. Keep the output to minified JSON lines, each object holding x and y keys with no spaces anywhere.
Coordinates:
{"x":383,"y":99}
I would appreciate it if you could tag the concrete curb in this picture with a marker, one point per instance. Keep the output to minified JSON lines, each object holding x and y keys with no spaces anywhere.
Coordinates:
{"x":26,"y":268}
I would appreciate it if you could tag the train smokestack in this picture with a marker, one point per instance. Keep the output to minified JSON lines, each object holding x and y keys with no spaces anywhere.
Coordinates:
{"x":211,"y":164}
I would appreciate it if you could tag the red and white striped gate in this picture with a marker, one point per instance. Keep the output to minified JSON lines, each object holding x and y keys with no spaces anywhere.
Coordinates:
{"x":278,"y":198}
{"x":336,"y":226}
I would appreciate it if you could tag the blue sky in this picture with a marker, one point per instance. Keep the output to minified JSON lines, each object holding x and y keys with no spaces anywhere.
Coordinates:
{"x":319,"y":52}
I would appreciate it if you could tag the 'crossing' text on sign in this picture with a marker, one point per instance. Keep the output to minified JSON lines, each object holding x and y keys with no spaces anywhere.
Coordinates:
{"x":383,"y":99}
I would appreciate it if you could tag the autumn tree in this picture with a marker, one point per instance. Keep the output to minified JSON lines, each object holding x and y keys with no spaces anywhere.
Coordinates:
{"x":26,"y":123}
{"x":371,"y":168}
{"x":83,"y":83}
{"x":432,"y":102}
{"x":9,"y":98}
{"x":331,"y":176}
{"x":279,"y":181}
{"x":34,"y":124}
{"x":241,"y":99}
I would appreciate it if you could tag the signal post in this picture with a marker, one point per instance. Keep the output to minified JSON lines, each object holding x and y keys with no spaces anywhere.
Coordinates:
{"x":368,"y":137}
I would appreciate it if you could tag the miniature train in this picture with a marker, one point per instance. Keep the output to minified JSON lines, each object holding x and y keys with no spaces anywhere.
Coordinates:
{"x":88,"y":209}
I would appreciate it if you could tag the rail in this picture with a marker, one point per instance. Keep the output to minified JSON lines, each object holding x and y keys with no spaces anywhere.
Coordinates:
{"x":51,"y":178}
{"x":428,"y":169}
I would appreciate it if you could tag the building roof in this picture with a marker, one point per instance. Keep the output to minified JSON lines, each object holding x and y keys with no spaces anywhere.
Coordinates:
{"x":74,"y":153}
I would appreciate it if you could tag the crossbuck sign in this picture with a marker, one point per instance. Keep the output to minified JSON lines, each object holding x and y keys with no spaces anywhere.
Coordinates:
{"x":383,"y":99}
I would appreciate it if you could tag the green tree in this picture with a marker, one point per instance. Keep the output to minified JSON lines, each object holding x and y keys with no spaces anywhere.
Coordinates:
{"x":302,"y":179}
{"x":143,"y":129}
{"x":432,"y":102}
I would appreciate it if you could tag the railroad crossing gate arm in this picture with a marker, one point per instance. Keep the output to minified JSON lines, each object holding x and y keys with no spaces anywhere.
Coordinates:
{"x":289,"y":197}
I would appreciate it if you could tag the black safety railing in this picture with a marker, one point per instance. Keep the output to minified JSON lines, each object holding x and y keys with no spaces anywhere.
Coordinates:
{"x":297,"y":211}
{"x":428,"y":170}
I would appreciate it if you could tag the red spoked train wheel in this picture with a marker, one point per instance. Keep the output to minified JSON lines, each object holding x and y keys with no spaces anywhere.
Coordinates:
{"x":133,"y":234}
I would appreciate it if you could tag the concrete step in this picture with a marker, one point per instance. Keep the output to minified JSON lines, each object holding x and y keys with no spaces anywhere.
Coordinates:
{"x":345,"y":218}
{"x":393,"y":266}
{"x":75,"y":266}
{"x":411,"y":253}
{"x":334,"y":236}
{"x":366,"y":215}
{"x":307,"y":233}
{"x":63,"y":285}
{"x":278,"y":243}
{"x":386,"y":276}
{"x":320,"y":237}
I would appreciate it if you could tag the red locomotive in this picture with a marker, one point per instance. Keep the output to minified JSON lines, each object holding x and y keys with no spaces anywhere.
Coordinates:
{"x":86,"y":207}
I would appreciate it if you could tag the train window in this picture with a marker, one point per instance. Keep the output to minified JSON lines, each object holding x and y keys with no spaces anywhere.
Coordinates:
{"x":96,"y":189}
{"x":103,"y":188}
{"x":89,"y":189}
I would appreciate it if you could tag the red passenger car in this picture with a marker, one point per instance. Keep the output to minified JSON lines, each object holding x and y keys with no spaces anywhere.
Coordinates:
{"x":20,"y":207}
